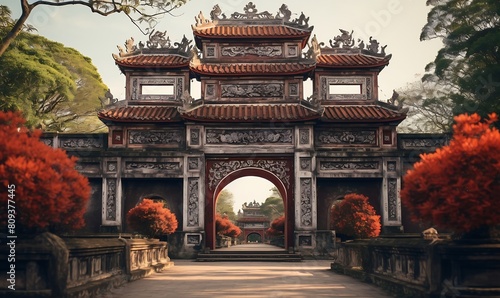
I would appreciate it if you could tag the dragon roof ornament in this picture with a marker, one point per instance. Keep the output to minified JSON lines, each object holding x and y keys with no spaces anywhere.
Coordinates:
{"x":252,"y":15}
{"x":345,"y":43}
{"x":158,"y":43}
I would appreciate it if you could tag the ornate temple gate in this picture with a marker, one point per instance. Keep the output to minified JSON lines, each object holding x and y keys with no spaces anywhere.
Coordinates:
{"x":222,"y":171}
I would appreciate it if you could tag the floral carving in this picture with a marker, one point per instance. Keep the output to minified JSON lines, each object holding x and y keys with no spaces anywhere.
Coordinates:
{"x":306,"y":201}
{"x":245,"y":137}
{"x":155,"y":137}
{"x":424,"y":143}
{"x":252,"y":90}
{"x":111,"y":200}
{"x":83,"y":143}
{"x":345,"y":137}
{"x":392,"y":198}
{"x":193,"y":212}
{"x":269,"y":51}
{"x":152,"y":165}
{"x":335,"y":165}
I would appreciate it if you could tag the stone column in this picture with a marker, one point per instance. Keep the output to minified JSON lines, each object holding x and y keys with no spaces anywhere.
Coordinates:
{"x":391,"y":201}
{"x":112,"y":194}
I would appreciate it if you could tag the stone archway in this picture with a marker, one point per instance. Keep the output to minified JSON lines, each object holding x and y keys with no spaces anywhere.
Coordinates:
{"x":254,"y":237}
{"x":222,"y":171}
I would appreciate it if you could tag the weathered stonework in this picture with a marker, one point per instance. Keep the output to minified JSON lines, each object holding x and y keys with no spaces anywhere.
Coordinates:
{"x":347,"y":137}
{"x":341,"y":166}
{"x":245,"y":137}
{"x":392,"y":199}
{"x":193,"y":203}
{"x":155,"y":137}
{"x":111,"y":200}
{"x":169,"y":166}
{"x":252,"y":90}
{"x":259,"y":51}
{"x":306,"y":202}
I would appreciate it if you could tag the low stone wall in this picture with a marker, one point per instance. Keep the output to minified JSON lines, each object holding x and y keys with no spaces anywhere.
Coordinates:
{"x":423,"y":268}
{"x":49,"y":266}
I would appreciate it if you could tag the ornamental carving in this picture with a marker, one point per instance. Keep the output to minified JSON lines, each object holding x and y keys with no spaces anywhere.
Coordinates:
{"x":306,"y":201}
{"x":192,"y":210}
{"x":391,"y":166}
{"x":365,"y":84}
{"x":195,"y":136}
{"x":87,"y":167}
{"x":81,"y":143}
{"x":46,"y":141}
{"x":424,"y":143}
{"x":305,"y":163}
{"x":112,"y":166}
{"x":169,"y":166}
{"x":245,"y":137}
{"x":345,"y":43}
{"x":193,"y":163}
{"x":267,"y":51}
{"x":339,"y":166}
{"x":221,"y":169}
{"x":111,"y":200}
{"x":252,"y":90}
{"x":193,"y":239}
{"x":303,"y":136}
{"x":343,"y":137}
{"x":158,"y":42}
{"x":392,"y":198}
{"x":155,"y":137}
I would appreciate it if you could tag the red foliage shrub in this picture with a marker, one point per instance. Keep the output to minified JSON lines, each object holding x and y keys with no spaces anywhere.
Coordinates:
{"x":457,"y":187}
{"x":277,"y":227}
{"x":225,"y":227}
{"x":355,"y":217}
{"x":151,"y":218}
{"x":49,"y":193}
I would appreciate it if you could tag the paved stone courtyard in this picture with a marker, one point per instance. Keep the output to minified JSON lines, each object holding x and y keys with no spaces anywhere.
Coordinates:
{"x":310,"y":278}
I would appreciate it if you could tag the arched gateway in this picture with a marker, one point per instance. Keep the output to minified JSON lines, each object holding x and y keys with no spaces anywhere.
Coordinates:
{"x":252,"y":119}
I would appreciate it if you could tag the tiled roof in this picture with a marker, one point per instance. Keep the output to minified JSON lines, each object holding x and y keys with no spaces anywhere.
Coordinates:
{"x":250,"y":31}
{"x":252,"y":68}
{"x":141,"y":114}
{"x":362,"y":113}
{"x":251,"y":112}
{"x":157,"y":61}
{"x":351,"y":61}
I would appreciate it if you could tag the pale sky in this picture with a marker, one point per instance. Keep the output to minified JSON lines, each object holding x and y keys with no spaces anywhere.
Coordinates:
{"x":395,"y":23}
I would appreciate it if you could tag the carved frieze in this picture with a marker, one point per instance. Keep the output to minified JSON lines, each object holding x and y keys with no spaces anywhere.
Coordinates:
{"x":169,"y":166}
{"x":81,"y":143}
{"x":424,"y":143}
{"x":221,"y":169}
{"x":306,"y":201}
{"x":155,"y":137}
{"x":347,"y":137}
{"x":392,"y":198}
{"x":88,"y":167}
{"x":193,"y":197}
{"x":252,"y":90}
{"x":339,"y":166}
{"x":303,"y":136}
{"x":260,"y":51}
{"x":245,"y":137}
{"x":111,"y":200}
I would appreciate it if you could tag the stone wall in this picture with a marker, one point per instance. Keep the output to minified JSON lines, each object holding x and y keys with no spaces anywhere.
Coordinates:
{"x":50,"y":266}
{"x":414,"y":267}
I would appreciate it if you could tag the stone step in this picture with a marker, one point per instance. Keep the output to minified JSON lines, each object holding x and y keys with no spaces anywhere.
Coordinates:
{"x":250,"y":256}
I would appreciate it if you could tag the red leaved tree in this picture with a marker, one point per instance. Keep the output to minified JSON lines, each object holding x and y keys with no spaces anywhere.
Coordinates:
{"x":226,"y":227}
{"x":355,"y":217}
{"x":458,"y":186}
{"x":152,"y":219}
{"x":46,"y":190}
{"x":277,"y":227}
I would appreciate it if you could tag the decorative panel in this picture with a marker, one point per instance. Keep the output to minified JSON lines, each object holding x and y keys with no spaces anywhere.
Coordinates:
{"x":193,"y":202}
{"x":347,"y":137}
{"x":259,"y":51}
{"x":303,"y":136}
{"x":348,"y":165}
{"x":306,"y":202}
{"x":423,"y":143}
{"x":305,"y":164}
{"x":111,"y":200}
{"x":246,"y":137}
{"x":293,"y":89}
{"x":292,"y":51}
{"x":140,"y":166}
{"x":177,"y":84}
{"x":365,"y":84}
{"x":155,"y":137}
{"x":117,"y":137}
{"x":195,"y":136}
{"x":392,"y":199}
{"x":88,"y":167}
{"x":193,"y":163}
{"x":252,"y":90}
{"x":387,"y":137}
{"x":80,"y":143}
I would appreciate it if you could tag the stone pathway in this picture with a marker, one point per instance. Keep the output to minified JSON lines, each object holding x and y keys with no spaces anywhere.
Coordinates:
{"x":247,"y":279}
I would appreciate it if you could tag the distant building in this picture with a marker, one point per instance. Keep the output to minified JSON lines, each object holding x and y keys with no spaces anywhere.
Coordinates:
{"x":253,"y":223}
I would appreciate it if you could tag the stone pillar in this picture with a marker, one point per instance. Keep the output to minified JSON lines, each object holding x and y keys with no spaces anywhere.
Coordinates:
{"x":391,"y":201}
{"x":111,"y":195}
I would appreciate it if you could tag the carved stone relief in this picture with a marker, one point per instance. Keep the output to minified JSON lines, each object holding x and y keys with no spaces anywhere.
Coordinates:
{"x":346,"y":137}
{"x":392,"y":198}
{"x":193,"y":163}
{"x":221,"y":169}
{"x":339,"y":166}
{"x":211,"y":52}
{"x":252,"y":90}
{"x":210,"y":91}
{"x":195,"y":137}
{"x":423,"y":143}
{"x":245,"y":137}
{"x":192,"y":208}
{"x":293,"y":89}
{"x":81,"y":143}
{"x":260,"y":51}
{"x":306,"y":201}
{"x":292,"y":51}
{"x":391,"y":166}
{"x":193,"y":239}
{"x":155,"y":137}
{"x":169,"y":166}
{"x":88,"y":167}
{"x":305,"y":240}
{"x":112,"y":166}
{"x":303,"y":136}
{"x":47,"y":141}
{"x":305,"y":163}
{"x":111,"y":200}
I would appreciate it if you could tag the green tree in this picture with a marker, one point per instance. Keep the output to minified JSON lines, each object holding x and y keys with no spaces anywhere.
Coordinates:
{"x":225,"y":204}
{"x":469,"y":61}
{"x":273,"y":206}
{"x":138,"y":11}
{"x":55,"y":87}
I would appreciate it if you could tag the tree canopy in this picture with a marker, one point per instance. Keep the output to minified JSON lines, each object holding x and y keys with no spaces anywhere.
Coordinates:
{"x":55,"y":87}
{"x":457,"y":187}
{"x":48,"y":192}
{"x":152,"y":219}
{"x":138,"y":11}
{"x":225,"y":204}
{"x":273,"y":206}
{"x":469,"y":61}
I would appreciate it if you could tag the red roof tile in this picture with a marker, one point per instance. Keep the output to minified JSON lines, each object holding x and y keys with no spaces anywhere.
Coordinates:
{"x":252,"y":68}
{"x":364,"y":113}
{"x":351,"y":61}
{"x":158,"y":61}
{"x":251,"y":112}
{"x":251,"y":31}
{"x":141,"y":114}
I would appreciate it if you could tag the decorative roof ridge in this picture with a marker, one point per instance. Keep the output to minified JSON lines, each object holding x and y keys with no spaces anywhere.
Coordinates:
{"x":158,"y":43}
{"x":377,"y":103}
{"x":251,"y":16}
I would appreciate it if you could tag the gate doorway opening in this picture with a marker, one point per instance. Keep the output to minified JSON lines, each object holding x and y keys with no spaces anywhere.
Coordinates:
{"x":283,"y":189}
